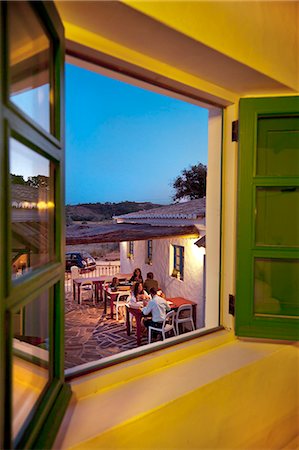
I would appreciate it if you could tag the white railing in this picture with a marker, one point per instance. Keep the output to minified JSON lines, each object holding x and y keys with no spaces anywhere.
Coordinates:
{"x":103,"y":268}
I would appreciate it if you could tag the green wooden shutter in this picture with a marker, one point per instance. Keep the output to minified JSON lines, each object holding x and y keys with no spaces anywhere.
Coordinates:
{"x":267,"y":288}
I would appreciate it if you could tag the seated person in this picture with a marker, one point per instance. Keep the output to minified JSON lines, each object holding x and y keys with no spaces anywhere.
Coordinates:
{"x":114,"y":284}
{"x":137,"y":276}
{"x":150,"y":282}
{"x":161,"y":293}
{"x":138,"y":295}
{"x":158,"y":308}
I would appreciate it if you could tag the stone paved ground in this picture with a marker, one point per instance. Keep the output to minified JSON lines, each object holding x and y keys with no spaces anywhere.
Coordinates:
{"x":90,"y":335}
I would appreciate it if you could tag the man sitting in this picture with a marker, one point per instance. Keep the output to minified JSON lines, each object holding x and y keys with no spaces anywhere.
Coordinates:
{"x":158,"y":308}
{"x":150,"y":282}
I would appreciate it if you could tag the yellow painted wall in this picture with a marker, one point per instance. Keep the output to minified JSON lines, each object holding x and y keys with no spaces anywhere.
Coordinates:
{"x":253,"y":406}
{"x":160,"y":68}
{"x":261,"y":34}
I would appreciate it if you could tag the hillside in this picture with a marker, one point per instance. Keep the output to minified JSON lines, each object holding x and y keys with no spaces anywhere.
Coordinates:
{"x":98,"y":212}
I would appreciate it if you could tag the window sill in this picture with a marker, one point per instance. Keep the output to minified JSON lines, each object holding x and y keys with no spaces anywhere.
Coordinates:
{"x":220,"y":370}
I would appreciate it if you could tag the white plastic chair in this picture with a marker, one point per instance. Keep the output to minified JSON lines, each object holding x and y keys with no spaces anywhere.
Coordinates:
{"x":75,"y":273}
{"x":184,"y":315}
{"x":87,"y":288}
{"x":120,"y":302}
{"x":168,"y":325}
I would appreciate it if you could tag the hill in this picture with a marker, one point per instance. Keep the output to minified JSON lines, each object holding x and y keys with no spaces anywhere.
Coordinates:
{"x":99,"y":212}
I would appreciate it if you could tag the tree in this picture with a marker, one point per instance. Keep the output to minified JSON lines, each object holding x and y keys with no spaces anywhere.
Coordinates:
{"x":191,"y":183}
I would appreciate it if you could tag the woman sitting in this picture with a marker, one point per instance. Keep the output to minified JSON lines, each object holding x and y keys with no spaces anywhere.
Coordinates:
{"x":137,"y":276}
{"x":138,"y":296}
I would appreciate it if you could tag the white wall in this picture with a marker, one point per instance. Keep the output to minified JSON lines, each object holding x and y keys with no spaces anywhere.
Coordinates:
{"x":191,"y":288}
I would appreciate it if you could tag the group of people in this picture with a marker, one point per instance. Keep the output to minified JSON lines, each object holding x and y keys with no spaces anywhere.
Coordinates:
{"x":148,"y":296}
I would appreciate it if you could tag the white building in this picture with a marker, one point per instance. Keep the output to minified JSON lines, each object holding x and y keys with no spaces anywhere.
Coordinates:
{"x":176,"y":260}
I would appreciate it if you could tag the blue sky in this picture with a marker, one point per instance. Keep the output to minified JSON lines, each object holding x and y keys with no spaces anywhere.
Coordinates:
{"x":127,"y":143}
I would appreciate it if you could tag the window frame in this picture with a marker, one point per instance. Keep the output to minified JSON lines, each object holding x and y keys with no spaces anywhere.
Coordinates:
{"x":130,"y":250}
{"x":178,"y":261}
{"x":14,"y":294}
{"x":149,"y":252}
{"x":216,"y":121}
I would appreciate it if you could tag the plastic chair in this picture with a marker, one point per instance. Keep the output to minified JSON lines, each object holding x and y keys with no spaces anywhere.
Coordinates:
{"x":75,"y":273}
{"x":168,"y":325}
{"x":120,"y":302}
{"x":87,"y":287}
{"x":184,"y":315}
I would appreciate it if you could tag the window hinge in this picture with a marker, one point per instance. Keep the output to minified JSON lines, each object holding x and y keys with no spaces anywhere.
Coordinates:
{"x":235,"y":131}
{"x":231,"y":304}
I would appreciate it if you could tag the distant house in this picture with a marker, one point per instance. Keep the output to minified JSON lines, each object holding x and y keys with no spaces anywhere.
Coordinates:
{"x":177,"y":259}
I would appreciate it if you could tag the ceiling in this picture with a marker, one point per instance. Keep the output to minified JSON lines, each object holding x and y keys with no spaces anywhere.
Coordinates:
{"x":133,"y":30}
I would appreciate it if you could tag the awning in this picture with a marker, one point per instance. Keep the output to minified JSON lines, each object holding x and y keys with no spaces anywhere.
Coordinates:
{"x":201,"y":242}
{"x":119,"y":232}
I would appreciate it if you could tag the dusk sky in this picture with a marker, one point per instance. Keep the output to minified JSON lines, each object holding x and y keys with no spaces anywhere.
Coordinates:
{"x":127,"y":143}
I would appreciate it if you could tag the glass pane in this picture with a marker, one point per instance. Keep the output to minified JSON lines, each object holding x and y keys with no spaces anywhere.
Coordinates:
{"x":278,"y":146}
{"x":32,"y":209}
{"x":30,"y":357}
{"x":277,"y":216}
{"x":29,"y":56}
{"x":276,"y":287}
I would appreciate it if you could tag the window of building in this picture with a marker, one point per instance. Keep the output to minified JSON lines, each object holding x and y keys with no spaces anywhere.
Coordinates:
{"x":149,"y":252}
{"x":178,"y":262}
{"x":130,"y":250}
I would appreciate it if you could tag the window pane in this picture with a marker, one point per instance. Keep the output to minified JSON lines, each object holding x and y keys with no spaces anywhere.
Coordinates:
{"x":273,"y":205}
{"x":30,"y":357}
{"x":278,"y":146}
{"x":32,"y":211}
{"x":276,"y":287}
{"x":29,"y":56}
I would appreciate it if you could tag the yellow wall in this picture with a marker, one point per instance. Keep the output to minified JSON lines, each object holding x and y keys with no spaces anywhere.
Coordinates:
{"x":239,"y":395}
{"x":261,"y":34}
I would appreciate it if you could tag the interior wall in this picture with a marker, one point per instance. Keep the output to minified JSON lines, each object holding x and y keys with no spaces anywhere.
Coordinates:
{"x":260,"y":34}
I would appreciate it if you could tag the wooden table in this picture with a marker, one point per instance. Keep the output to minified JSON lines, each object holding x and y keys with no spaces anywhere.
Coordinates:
{"x":137,"y":313}
{"x":98,"y":282}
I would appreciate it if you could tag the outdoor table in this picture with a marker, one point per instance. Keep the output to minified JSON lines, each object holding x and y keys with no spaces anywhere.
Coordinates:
{"x":98,"y":282}
{"x":113,"y":296}
{"x":137,"y":313}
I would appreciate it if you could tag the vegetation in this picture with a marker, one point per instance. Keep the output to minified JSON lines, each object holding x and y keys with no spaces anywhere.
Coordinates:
{"x":99,"y":212}
{"x":35,"y":181}
{"x":191,"y":183}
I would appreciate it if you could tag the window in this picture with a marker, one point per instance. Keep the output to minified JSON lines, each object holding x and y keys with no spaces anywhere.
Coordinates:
{"x":178,"y":262}
{"x":31,"y":203}
{"x":149,"y":252}
{"x":130,"y":249}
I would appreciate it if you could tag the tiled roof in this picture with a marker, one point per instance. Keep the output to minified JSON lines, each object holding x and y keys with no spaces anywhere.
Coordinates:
{"x":119,"y":232}
{"x":186,"y":210}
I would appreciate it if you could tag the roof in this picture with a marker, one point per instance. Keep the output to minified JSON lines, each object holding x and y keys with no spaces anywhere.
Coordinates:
{"x":186,"y":210}
{"x":119,"y":232}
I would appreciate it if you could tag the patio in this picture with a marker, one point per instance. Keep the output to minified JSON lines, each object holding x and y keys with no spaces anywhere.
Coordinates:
{"x":91,"y":335}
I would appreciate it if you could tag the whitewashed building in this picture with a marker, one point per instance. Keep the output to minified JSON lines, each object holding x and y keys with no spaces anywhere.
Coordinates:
{"x":177,"y":260}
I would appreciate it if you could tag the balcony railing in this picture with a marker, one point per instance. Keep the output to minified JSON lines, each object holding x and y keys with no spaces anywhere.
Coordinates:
{"x":103,"y":268}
